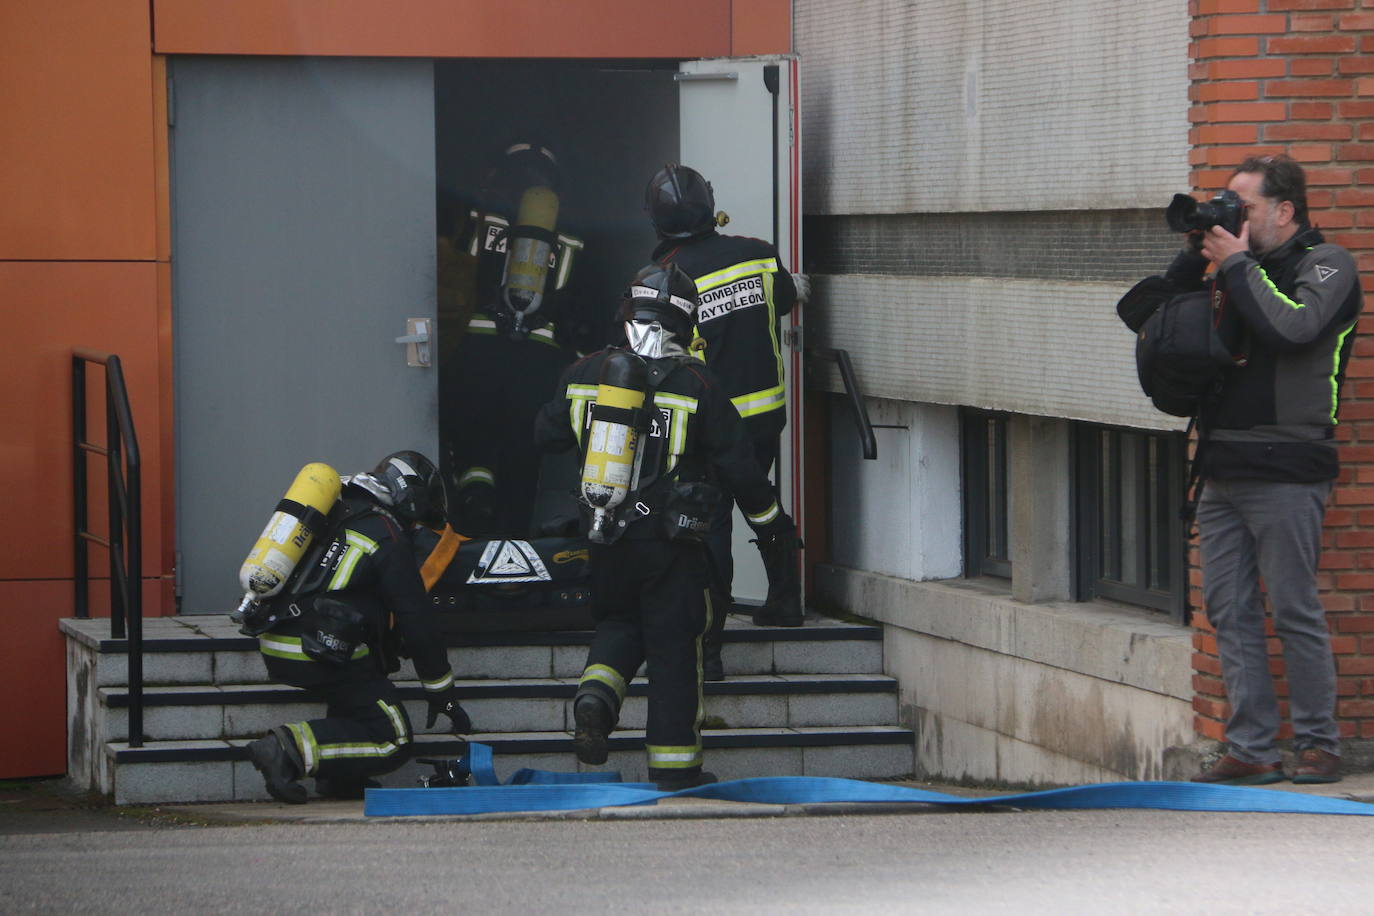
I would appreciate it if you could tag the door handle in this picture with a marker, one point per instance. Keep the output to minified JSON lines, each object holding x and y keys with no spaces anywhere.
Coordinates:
{"x":417,"y":342}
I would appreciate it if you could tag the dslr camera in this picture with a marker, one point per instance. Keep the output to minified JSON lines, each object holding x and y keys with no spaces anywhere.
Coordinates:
{"x":1226,"y":210}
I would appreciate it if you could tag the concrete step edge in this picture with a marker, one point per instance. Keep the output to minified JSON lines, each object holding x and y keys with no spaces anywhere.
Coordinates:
{"x":117,"y":697}
{"x":178,"y":636}
{"x":534,"y":742}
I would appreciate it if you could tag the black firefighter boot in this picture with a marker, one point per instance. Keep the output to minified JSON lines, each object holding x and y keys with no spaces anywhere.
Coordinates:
{"x":781,"y":560}
{"x":592,"y":721}
{"x":279,"y":761}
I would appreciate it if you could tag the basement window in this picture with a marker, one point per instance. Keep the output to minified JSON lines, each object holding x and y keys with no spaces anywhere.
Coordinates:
{"x":987,"y":531}
{"x":1128,"y":492}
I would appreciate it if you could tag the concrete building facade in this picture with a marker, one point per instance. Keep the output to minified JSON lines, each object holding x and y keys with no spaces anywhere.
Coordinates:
{"x":983,"y":182}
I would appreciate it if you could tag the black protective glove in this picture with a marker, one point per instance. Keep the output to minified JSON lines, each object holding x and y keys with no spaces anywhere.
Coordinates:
{"x":446,"y":702}
{"x":779,"y":546}
{"x":780,"y":549}
{"x":781,"y":526}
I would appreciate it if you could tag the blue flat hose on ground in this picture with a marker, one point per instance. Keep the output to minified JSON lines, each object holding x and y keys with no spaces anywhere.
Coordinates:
{"x":540,"y":790}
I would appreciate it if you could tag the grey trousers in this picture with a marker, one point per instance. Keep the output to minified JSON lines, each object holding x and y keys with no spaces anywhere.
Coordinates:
{"x":1262,"y":528}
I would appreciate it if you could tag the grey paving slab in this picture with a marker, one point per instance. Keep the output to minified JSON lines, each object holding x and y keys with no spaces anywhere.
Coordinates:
{"x":847,"y":657}
{"x":747,"y":658}
{"x":176,"y":668}
{"x":177,"y":723}
{"x":883,"y":761}
{"x":525,"y":714}
{"x":253,"y":720}
{"x":748,"y":710}
{"x":502,"y":661}
{"x":808,"y":710}
{"x":743,"y":763}
{"x":568,"y":661}
{"x":242,"y":667}
{"x":154,"y":783}
{"x":634,"y":713}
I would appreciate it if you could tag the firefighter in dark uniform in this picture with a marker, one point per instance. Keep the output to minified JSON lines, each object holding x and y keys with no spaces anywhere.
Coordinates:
{"x":329,"y":632}
{"x":521,"y":328}
{"x":744,"y":289}
{"x":650,"y":574}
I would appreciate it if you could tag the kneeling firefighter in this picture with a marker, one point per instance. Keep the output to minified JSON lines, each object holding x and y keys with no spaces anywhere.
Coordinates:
{"x":658,"y":439}
{"x":352,"y":604}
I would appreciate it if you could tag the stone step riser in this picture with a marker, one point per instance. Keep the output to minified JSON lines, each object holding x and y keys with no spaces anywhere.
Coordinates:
{"x":525,"y":714}
{"x":500,"y":662}
{"x":154,"y":783}
{"x":192,"y":744}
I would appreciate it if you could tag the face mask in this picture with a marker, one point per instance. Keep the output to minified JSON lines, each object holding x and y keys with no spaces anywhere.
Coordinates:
{"x":373,"y":486}
{"x":649,"y":339}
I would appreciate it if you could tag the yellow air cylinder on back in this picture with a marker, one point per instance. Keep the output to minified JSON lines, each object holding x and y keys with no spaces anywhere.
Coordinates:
{"x":289,"y":532}
{"x":527,"y":264}
{"x":612,"y":442}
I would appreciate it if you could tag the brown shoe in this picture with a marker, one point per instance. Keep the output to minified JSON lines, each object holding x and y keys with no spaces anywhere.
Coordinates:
{"x":1232,"y":772}
{"x":1315,"y":765}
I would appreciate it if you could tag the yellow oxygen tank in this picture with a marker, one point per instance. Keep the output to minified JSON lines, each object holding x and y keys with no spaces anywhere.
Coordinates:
{"x":529,"y":251}
{"x":608,"y":470}
{"x":297,"y":519}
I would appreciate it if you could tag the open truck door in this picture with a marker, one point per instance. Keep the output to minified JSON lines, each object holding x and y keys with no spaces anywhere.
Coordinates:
{"x":739,"y":128}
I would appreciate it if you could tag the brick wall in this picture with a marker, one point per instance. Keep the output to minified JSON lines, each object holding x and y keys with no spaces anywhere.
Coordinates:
{"x":1297,"y":77}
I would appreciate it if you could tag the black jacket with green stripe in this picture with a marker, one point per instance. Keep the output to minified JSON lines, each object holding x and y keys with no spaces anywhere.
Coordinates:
{"x":744,"y":289}
{"x":369,"y":559}
{"x":694,"y":434}
{"x":1275,"y":416}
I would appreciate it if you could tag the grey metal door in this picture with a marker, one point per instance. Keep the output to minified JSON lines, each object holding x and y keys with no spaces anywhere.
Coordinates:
{"x":303,"y":240}
{"x":740,"y":134}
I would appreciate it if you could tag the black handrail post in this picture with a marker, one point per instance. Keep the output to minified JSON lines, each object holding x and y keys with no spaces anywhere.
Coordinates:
{"x":125,"y":540}
{"x":81,"y":553}
{"x":118,"y":584}
{"x":867,"y":441}
{"x":129,"y":499}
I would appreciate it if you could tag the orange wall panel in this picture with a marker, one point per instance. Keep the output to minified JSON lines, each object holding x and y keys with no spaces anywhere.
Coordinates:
{"x":760,"y":27}
{"x":445,"y":28}
{"x":76,"y":161}
{"x":33,"y":667}
{"x":49,"y":309}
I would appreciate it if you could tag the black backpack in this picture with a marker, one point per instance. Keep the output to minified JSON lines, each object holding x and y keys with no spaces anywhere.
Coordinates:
{"x":1179,"y":356}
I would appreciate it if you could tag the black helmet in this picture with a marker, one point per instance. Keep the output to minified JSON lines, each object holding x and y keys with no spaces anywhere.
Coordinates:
{"x":666,"y":294}
{"x":409,"y":484}
{"x":680,"y":202}
{"x":524,"y":164}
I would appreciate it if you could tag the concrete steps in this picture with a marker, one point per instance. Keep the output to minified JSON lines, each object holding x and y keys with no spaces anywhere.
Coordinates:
{"x":808,"y":701}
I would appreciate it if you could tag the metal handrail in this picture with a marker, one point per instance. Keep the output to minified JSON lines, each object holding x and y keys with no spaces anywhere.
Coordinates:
{"x":856,"y":399}
{"x":125,"y":538}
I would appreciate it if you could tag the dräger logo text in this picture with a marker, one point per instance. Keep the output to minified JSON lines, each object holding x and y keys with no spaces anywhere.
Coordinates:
{"x":723,"y":300}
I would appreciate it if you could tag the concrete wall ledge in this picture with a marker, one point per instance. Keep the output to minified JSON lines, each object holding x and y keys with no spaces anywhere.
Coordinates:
{"x":1114,"y":643}
{"x":1003,"y":692}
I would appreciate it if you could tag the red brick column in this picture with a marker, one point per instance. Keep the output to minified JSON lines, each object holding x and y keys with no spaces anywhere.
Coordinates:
{"x":1297,"y":77}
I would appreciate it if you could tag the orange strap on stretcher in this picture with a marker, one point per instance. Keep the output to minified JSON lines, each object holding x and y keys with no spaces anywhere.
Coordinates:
{"x":441,"y":556}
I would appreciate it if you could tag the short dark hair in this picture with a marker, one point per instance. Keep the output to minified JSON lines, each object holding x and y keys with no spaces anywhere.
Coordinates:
{"x":1283,"y":180}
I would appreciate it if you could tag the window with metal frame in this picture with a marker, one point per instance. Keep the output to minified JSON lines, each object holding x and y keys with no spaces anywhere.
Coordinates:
{"x":987,"y":494}
{"x":1130,"y":543}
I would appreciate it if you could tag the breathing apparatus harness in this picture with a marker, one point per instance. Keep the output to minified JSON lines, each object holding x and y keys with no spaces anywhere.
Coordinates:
{"x":333,"y":627}
{"x":684,"y":507}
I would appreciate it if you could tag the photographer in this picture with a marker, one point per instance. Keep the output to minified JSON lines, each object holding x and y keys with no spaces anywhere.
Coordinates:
{"x":1288,"y":302}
